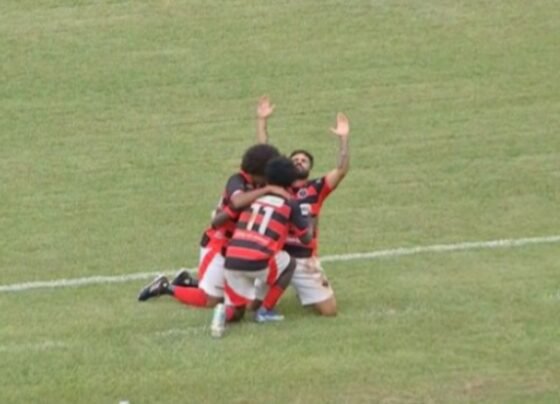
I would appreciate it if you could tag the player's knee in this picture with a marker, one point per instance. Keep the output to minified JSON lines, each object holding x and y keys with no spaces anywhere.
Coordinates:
{"x":327,"y":311}
{"x":327,"y":308}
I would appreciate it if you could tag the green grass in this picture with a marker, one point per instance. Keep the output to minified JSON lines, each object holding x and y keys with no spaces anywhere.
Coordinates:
{"x":120,"y":121}
{"x":472,"y":326}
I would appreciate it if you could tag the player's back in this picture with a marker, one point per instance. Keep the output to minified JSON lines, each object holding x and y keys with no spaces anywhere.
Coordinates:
{"x":261,"y":232}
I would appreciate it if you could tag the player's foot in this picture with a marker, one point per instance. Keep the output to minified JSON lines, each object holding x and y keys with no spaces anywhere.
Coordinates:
{"x":263,"y":315}
{"x":184,"y":278}
{"x":157,"y":287}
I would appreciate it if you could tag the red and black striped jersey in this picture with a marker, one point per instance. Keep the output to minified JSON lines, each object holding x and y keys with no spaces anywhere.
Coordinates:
{"x":239,"y":182}
{"x":261,"y":232}
{"x":310,"y":197}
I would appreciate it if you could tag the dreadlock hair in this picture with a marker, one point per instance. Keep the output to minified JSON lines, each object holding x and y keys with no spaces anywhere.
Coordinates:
{"x":255,"y":158}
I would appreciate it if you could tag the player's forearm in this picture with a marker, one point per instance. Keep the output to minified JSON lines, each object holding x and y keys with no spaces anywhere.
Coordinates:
{"x":343,"y":156}
{"x":219,"y":219}
{"x":244,"y":199}
{"x":262,"y":132}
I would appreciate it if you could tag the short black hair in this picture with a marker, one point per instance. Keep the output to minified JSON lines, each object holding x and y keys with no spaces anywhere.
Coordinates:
{"x":281,"y":171}
{"x":306,"y":153}
{"x":255,"y":158}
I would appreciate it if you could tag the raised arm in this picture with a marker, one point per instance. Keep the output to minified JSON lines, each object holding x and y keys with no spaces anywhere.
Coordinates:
{"x":264,"y":110}
{"x":342,"y":130}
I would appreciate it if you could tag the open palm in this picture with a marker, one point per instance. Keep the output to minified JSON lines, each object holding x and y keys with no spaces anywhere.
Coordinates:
{"x":264,"y":107}
{"x":342,"y":125}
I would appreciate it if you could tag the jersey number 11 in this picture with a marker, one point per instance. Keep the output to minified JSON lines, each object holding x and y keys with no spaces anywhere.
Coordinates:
{"x":257,"y":209}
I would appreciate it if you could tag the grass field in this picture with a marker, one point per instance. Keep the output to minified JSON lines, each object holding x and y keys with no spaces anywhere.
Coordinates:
{"x":121,"y":120}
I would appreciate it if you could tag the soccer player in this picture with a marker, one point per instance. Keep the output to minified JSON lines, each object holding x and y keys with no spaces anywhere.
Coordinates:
{"x":241,"y":189}
{"x":255,"y":249}
{"x":309,"y":280}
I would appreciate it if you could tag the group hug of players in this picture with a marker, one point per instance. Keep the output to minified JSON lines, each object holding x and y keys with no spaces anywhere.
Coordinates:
{"x":264,"y":234}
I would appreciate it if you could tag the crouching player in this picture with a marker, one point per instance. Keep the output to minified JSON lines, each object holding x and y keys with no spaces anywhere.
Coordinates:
{"x":241,"y":189}
{"x":254,"y":251}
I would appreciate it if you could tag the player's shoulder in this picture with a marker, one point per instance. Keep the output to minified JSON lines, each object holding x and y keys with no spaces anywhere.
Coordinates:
{"x":239,"y":176}
{"x":240,"y":180}
{"x":314,"y":184}
{"x":308,"y":183}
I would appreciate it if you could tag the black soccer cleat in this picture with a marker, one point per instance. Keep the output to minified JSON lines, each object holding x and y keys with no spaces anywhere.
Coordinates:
{"x":184,"y":278}
{"x":158,"y":286}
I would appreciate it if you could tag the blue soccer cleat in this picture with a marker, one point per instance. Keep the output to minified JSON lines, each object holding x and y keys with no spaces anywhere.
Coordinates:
{"x":263,"y":315}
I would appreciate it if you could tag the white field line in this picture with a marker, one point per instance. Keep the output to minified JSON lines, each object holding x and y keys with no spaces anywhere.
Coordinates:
{"x":189,"y":331}
{"x":438,"y":248}
{"x":61,"y":283}
{"x":396,"y":252}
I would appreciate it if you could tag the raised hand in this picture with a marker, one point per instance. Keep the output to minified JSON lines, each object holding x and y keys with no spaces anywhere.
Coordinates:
{"x":342,"y":125}
{"x":264,"y":107}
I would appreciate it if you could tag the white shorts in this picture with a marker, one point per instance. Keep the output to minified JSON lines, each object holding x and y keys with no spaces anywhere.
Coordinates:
{"x":211,"y":272}
{"x":240,"y":285}
{"x":310,"y":282}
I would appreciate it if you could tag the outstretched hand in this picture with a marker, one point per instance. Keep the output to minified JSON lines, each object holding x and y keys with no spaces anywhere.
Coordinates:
{"x":342,"y":125}
{"x":264,"y":107}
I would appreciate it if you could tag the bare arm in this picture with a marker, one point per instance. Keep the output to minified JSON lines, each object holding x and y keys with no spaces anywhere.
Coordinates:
{"x":264,"y":110}
{"x":219,"y":219}
{"x":244,"y":199}
{"x":342,"y":130}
